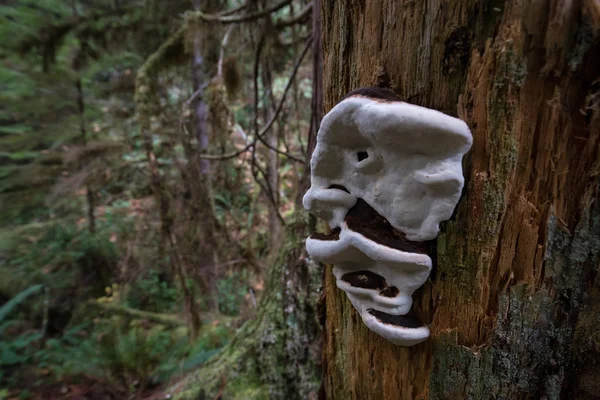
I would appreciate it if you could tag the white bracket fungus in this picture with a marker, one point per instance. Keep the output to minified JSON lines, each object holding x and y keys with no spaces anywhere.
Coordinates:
{"x":384,"y":174}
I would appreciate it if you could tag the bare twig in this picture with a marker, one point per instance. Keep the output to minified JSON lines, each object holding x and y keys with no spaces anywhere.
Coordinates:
{"x":293,"y":41}
{"x":228,"y":156}
{"x":234,"y":10}
{"x":266,"y":128}
{"x":222,"y":51}
{"x":243,"y":134}
{"x":259,"y":47}
{"x":303,"y":16}
{"x":254,"y":164}
{"x":238,"y":18}
{"x":252,"y":296}
{"x":280,"y":106}
{"x":163,"y":319}
{"x":197,"y":93}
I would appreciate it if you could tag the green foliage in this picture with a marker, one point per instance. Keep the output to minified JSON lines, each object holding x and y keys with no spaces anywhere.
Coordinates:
{"x":132,"y":357}
{"x":152,"y":293}
{"x":16,"y":351}
{"x":69,"y":126}
{"x":126,"y":358}
{"x":231,"y":291}
{"x":15,"y":301}
{"x":61,"y":256}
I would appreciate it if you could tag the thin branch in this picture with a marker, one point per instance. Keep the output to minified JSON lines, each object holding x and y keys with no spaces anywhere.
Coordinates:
{"x":254,"y":164}
{"x":197,"y":93}
{"x":302,"y":17}
{"x":291,"y":42}
{"x":266,"y":128}
{"x":222,"y":51}
{"x":259,"y":47}
{"x":243,"y":134}
{"x":234,"y":10}
{"x":227,"y":156}
{"x":163,"y":319}
{"x":238,"y":18}
{"x":280,"y":106}
{"x":287,"y":87}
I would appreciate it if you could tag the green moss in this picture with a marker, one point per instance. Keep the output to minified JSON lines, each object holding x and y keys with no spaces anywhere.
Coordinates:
{"x":18,"y":157}
{"x":454,"y":261}
{"x":584,"y":39}
{"x":267,"y":358}
{"x":532,"y":346}
{"x":168,"y":53}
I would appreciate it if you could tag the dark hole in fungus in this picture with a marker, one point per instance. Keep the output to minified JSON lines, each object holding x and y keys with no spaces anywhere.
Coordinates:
{"x":365,"y":279}
{"x":370,"y":280}
{"x":339,"y":187}
{"x":361,"y":155}
{"x":405,"y":321}
{"x":390,"y":291}
{"x":362,"y":218}
{"x":333,"y":235}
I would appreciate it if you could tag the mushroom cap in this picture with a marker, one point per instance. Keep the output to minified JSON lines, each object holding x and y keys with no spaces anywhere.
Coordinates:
{"x":404,"y":160}
{"x":363,"y":121}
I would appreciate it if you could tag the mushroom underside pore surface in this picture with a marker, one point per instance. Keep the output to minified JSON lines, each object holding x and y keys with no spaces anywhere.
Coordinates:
{"x":383,"y":306}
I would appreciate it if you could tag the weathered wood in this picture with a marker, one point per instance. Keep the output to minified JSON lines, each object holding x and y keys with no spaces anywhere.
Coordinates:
{"x":513,"y":298}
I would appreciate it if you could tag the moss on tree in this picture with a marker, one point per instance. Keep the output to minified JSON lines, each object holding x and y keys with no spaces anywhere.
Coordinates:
{"x":268,"y":358}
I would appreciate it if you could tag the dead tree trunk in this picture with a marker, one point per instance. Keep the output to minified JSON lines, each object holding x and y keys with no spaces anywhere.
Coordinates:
{"x":205,"y":55}
{"x":514,"y":298}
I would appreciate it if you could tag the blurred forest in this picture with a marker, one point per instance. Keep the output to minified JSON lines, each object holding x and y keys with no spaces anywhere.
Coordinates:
{"x":152,"y":154}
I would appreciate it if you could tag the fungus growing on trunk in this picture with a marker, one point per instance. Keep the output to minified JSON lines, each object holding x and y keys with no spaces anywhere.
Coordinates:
{"x":384,"y":175}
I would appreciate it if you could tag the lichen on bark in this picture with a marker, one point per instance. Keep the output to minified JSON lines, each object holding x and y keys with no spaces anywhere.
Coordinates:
{"x":510,"y":298}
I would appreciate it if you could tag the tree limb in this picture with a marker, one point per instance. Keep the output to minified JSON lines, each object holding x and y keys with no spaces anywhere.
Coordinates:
{"x":226,"y":19}
{"x":158,"y":318}
{"x":302,"y":17}
{"x":280,"y":106}
{"x":266,"y":128}
{"x":234,"y":10}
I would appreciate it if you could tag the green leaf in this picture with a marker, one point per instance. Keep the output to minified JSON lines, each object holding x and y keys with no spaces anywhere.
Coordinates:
{"x":18,"y":299}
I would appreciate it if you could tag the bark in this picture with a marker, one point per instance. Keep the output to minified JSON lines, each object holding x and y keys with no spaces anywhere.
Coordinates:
{"x":199,"y":77}
{"x":514,"y":298}
{"x":272,"y":161}
{"x":275,"y":354}
{"x":205,"y":56}
{"x":191,"y":312}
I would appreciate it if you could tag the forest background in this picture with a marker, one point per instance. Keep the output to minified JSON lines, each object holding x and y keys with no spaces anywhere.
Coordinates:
{"x":152,"y":154}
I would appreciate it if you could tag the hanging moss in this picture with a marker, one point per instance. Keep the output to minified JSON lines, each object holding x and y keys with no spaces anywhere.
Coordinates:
{"x":167,"y":54}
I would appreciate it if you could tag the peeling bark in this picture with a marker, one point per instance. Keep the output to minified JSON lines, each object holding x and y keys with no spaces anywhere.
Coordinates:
{"x":512,"y":295}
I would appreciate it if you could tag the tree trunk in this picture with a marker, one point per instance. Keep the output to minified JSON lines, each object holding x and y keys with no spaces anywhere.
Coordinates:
{"x":272,"y":161}
{"x":205,"y":56}
{"x":91,"y":207}
{"x":513,"y":300}
{"x":200,"y":76}
{"x":276,"y":354}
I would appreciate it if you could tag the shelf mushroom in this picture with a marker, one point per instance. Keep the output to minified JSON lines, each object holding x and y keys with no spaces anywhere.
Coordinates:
{"x":384,"y":174}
